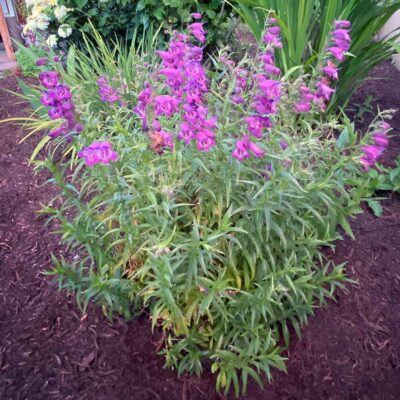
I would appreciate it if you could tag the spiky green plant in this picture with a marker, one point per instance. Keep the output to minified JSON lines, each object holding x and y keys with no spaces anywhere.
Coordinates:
{"x":306,"y":25}
{"x":226,"y":255}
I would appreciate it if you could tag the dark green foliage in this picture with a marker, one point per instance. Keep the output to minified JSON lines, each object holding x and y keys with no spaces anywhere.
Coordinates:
{"x":122,"y":17}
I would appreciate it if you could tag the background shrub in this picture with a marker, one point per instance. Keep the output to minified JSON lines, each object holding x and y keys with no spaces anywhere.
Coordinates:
{"x":122,"y":18}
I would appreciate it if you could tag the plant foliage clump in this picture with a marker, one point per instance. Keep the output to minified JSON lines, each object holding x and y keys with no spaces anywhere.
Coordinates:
{"x":306,"y":24}
{"x":203,"y":194}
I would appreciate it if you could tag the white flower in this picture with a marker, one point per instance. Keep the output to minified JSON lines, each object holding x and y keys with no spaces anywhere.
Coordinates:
{"x":64,"y":30}
{"x":52,"y":41}
{"x":42,"y":21}
{"x":60,"y":12}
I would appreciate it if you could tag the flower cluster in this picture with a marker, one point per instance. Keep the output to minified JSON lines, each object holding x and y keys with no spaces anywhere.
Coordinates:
{"x":266,"y":99}
{"x":43,"y":13}
{"x":107,"y":93}
{"x":341,"y":43}
{"x":372,"y":152}
{"x":98,"y":153}
{"x":59,"y":100}
{"x":187,"y":83}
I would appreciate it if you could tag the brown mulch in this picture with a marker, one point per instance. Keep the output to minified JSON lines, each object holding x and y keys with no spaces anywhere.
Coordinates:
{"x":48,"y":350}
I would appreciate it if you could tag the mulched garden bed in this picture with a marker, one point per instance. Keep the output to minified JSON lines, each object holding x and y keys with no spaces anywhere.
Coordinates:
{"x":48,"y":350}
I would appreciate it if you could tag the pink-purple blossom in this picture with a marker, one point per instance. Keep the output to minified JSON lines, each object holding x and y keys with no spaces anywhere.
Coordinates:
{"x":98,"y":153}
{"x":197,"y":31}
{"x":49,"y":79}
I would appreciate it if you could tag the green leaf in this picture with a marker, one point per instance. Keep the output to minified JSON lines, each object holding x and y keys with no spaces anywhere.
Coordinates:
{"x":376,"y":207}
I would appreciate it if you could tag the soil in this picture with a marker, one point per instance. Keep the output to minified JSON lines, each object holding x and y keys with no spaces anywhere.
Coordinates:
{"x":349,"y":350}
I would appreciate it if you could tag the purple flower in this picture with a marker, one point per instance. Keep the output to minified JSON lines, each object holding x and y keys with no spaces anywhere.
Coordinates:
{"x":306,"y":94}
{"x":272,"y":69}
{"x":302,"y":107}
{"x":256,"y":124}
{"x":270,"y":87}
{"x":98,"y":153}
{"x":337,"y":52}
{"x":271,"y":37}
{"x":56,"y":132}
{"x":166,"y":105}
{"x":324,"y":90}
{"x":205,"y":140}
{"x":241,"y":151}
{"x":283,"y":144}
{"x":67,"y":106}
{"x":56,"y":59}
{"x":167,"y":139}
{"x":40,"y":62}
{"x":196,"y":15}
{"x":331,"y":70}
{"x":49,"y":79}
{"x":385,"y":126}
{"x":56,"y":113}
{"x":256,"y":150}
{"x":186,"y":134}
{"x":62,"y":92}
{"x":197,"y":31}
{"x":237,"y":99}
{"x":373,"y":152}
{"x":48,"y":99}
{"x":381,"y":139}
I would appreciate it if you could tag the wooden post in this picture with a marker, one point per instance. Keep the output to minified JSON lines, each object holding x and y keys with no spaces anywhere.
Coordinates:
{"x":5,"y":35}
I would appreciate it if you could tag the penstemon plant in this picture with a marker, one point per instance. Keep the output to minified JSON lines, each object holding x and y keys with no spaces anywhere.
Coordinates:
{"x":206,"y":195}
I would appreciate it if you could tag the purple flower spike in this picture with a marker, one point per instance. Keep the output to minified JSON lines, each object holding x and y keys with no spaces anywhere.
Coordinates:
{"x":98,"y":153}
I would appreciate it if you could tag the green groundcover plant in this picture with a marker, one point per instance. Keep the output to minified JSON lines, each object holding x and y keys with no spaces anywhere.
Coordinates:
{"x":305,"y":27}
{"x":202,"y":192}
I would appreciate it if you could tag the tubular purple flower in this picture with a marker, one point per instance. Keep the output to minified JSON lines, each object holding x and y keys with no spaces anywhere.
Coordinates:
{"x":331,"y":70}
{"x":49,"y":79}
{"x":302,"y":107}
{"x":241,"y":151}
{"x":48,"y":99}
{"x":237,"y":99}
{"x":324,"y":90}
{"x":55,"y":113}
{"x":98,"y":153}
{"x":283,"y":144}
{"x":256,"y":124}
{"x":256,"y":150}
{"x":197,"y":30}
{"x":337,"y":52}
{"x":186,"y":134}
{"x":381,"y":139}
{"x":205,"y":140}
